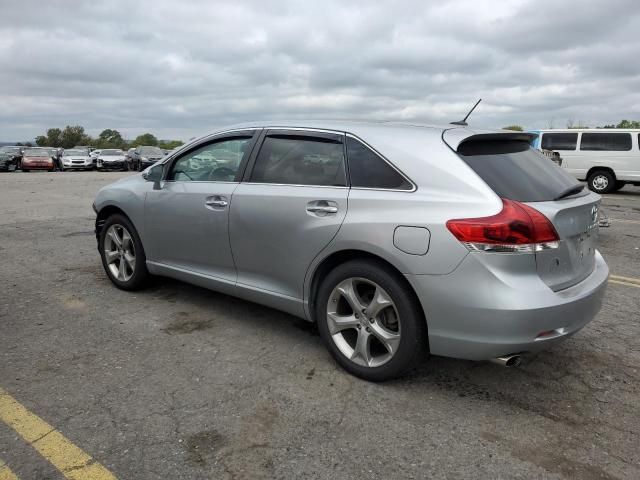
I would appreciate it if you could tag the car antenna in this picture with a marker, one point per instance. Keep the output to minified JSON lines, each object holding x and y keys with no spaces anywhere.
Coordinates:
{"x":463,"y":122}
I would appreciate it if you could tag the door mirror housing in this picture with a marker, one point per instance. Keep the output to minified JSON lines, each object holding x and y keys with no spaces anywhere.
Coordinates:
{"x":154,"y":174}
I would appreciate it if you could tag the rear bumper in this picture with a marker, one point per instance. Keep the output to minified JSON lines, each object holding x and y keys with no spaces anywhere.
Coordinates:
{"x":37,"y":166}
{"x":479,"y":313}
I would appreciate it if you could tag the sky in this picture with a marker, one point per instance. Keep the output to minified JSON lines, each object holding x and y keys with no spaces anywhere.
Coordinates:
{"x":182,"y":69}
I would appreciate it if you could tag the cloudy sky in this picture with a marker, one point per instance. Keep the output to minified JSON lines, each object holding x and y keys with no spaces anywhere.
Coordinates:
{"x":179,"y":69}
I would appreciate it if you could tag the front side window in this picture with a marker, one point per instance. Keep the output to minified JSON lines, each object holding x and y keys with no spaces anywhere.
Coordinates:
{"x":215,"y":162}
{"x":300,"y":160}
{"x":559,"y":141}
{"x":368,"y":170}
{"x":607,"y":142}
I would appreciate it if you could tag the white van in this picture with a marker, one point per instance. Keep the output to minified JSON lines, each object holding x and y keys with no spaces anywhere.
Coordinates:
{"x":606,"y":158}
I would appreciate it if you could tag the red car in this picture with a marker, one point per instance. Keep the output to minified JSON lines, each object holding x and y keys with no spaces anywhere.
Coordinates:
{"x":37,"y":159}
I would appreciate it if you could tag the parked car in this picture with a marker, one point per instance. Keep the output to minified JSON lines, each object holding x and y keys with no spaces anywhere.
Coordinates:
{"x":145,"y":156}
{"x":76,"y":159}
{"x":607,"y":159}
{"x":447,"y":244}
{"x":111,"y":158}
{"x":37,"y":159}
{"x":10,"y":158}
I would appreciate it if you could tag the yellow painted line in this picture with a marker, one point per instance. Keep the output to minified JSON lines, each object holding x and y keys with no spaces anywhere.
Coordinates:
{"x":50,"y":443}
{"x":624,"y":283}
{"x":625,"y":279}
{"x":6,"y":473}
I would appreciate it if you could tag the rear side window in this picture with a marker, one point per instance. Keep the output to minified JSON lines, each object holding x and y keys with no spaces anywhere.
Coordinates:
{"x":368,"y":170}
{"x":515,"y":171}
{"x":559,"y":141}
{"x":300,"y":160}
{"x":607,"y":142}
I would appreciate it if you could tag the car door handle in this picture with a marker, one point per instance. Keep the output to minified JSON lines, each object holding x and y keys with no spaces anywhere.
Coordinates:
{"x":216,"y":201}
{"x":322,"y":209}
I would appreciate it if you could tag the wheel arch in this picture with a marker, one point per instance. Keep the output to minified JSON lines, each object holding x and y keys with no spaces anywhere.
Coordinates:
{"x":104,"y":213}
{"x":596,"y":169}
{"x":341,"y":256}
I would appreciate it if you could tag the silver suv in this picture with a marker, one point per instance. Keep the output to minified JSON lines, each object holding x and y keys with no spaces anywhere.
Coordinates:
{"x":395,"y":239}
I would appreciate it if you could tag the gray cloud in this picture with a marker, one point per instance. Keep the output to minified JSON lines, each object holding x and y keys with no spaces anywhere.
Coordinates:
{"x":179,"y":70}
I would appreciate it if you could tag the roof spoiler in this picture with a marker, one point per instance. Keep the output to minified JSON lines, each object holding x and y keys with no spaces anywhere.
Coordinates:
{"x":454,"y":137}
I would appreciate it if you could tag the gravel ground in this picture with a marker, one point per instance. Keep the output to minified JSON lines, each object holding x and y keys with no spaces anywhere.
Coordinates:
{"x":182,"y":383}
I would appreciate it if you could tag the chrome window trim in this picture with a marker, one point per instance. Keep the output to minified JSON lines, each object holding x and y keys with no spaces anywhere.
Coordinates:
{"x":295,"y":185}
{"x":400,"y":172}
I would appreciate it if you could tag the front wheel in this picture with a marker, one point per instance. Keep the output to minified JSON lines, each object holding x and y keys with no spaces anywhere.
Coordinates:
{"x":122,"y":254}
{"x":369,"y":320}
{"x":601,"y":181}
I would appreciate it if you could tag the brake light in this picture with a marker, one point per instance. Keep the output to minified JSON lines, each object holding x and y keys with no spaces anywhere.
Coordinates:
{"x":517,"y":228}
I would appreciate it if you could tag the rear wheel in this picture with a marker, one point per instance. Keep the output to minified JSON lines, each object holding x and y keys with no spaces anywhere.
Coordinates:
{"x":601,"y":181}
{"x":369,"y":320}
{"x":122,"y":254}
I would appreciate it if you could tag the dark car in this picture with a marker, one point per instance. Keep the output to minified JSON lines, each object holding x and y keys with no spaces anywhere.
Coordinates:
{"x":145,"y":156}
{"x":10,"y":158}
{"x":37,"y":159}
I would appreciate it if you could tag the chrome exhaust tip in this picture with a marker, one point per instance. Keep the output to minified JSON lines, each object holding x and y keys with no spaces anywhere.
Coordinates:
{"x":508,"y":361}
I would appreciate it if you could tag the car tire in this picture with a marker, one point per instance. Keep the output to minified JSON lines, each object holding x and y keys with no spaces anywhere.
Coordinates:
{"x":124,"y":272}
{"x":25,"y":170}
{"x":392,"y":341}
{"x":601,"y":181}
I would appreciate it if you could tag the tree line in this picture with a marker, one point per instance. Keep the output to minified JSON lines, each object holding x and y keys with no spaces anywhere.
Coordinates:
{"x":572,"y":124}
{"x":73,"y":135}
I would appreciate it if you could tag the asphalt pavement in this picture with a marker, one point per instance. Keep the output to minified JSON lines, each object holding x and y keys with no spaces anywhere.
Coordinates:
{"x":179,"y":382}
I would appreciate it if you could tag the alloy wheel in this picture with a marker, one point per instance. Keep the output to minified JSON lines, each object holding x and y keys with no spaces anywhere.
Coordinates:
{"x":363,"y":322}
{"x":119,"y":252}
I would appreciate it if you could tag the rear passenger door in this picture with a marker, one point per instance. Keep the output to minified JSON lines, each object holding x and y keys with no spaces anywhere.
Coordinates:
{"x":289,"y":206}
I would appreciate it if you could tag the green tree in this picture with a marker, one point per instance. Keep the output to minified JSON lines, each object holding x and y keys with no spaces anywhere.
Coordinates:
{"x":516,"y":128}
{"x":74,"y":135}
{"x":109,"y":138}
{"x":145,"y":139}
{"x":41,"y":141}
{"x":170,"y":144}
{"x":628,"y":124}
{"x":54,"y":137}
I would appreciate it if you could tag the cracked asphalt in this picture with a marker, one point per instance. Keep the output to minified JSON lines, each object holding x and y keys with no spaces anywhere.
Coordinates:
{"x":183,"y":383}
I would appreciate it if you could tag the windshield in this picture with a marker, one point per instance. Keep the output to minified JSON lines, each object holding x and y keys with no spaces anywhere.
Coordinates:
{"x":515,"y":171}
{"x":77,"y":153}
{"x":36,"y":153}
{"x":150,"y":151}
{"x":111,"y":152}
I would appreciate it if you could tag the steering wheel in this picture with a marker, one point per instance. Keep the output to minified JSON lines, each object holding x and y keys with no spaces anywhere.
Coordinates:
{"x":220,"y":173}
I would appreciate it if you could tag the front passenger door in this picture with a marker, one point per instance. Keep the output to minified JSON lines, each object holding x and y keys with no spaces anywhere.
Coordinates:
{"x":186,"y":219}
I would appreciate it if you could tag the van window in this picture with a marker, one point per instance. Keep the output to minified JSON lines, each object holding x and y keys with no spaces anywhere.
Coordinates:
{"x":608,"y":142}
{"x":559,"y":141}
{"x":516,"y":171}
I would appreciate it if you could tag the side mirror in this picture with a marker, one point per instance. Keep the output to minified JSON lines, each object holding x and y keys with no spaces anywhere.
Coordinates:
{"x":154,"y":174}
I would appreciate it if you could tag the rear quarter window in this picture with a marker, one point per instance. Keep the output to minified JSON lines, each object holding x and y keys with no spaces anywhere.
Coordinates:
{"x":515,"y":171}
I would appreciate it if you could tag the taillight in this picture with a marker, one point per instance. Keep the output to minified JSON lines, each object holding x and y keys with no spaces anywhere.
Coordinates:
{"x":517,"y":228}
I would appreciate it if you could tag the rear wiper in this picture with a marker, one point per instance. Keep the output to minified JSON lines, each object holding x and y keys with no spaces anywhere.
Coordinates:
{"x":570,"y":191}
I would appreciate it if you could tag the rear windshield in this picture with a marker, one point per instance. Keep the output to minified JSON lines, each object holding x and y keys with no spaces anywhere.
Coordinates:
{"x":516,"y":171}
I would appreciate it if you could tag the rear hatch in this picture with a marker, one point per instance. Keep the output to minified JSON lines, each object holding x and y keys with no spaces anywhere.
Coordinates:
{"x":517,"y":172}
